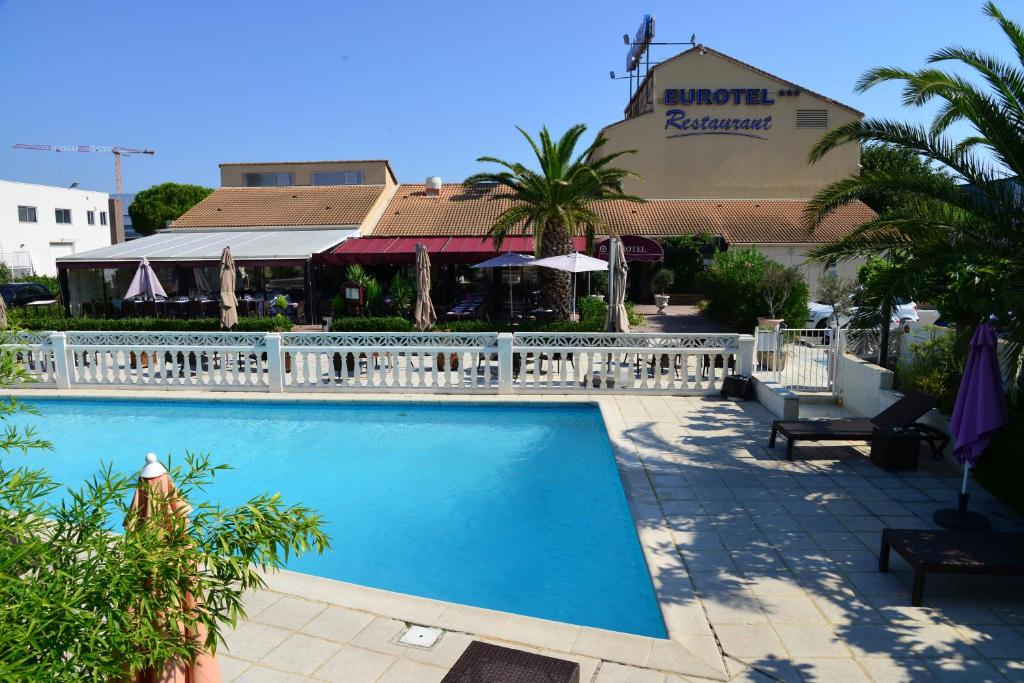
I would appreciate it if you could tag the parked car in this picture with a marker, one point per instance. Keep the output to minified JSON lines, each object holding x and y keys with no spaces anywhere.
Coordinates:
{"x":819,"y":315}
{"x":22,"y":293}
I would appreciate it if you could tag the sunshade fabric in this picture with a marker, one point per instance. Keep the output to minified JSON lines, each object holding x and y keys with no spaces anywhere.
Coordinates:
{"x":572,"y":263}
{"x":228,"y":302}
{"x":980,"y":408}
{"x":424,"y":316}
{"x":508,"y":260}
{"x":145,"y":283}
{"x":617,"y":320}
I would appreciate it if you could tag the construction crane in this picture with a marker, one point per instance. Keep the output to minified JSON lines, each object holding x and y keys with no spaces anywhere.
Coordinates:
{"x":118,"y":152}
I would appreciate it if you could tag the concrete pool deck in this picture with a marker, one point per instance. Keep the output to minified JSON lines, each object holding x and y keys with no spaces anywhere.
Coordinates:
{"x":764,"y":569}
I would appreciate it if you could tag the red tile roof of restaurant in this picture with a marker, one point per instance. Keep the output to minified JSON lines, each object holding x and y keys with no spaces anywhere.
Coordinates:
{"x":244,"y":207}
{"x":470,"y":211}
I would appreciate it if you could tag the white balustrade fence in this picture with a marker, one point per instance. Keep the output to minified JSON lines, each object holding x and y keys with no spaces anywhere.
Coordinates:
{"x":433,"y":362}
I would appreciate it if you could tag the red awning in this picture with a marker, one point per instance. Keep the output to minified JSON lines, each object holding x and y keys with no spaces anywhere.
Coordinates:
{"x":380,"y":251}
{"x":400,"y":251}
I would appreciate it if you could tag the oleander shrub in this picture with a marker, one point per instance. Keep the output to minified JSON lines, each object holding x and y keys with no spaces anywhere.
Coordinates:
{"x":1000,"y":468}
{"x":936,"y":369}
{"x":735,"y":290}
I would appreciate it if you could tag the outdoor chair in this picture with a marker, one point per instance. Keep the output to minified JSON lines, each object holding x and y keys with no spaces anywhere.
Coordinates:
{"x":87,"y":309}
{"x":149,"y":309}
{"x":195,"y":308}
{"x":903,"y":413}
{"x":129,"y":309}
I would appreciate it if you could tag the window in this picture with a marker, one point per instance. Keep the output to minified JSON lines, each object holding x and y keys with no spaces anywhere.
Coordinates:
{"x":338,"y":178}
{"x":268,"y":179}
{"x":27,"y":214}
{"x":103,"y":217}
{"x":90,"y":217}
{"x":812,"y":118}
{"x":63,"y":215}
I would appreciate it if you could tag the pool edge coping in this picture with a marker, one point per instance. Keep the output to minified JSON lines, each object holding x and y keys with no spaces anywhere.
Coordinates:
{"x":668,"y":573}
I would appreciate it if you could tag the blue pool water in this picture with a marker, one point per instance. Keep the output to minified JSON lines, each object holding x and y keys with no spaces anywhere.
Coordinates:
{"x":509,"y":507}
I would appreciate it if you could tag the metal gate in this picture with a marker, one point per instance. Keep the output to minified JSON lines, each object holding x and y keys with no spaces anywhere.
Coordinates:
{"x":800,"y":359}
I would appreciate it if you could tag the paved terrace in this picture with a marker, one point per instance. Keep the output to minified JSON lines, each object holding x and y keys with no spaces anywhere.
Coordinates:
{"x":765,"y":569}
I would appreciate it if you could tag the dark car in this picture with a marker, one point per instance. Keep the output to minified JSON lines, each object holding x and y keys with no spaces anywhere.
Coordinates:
{"x":22,"y":293}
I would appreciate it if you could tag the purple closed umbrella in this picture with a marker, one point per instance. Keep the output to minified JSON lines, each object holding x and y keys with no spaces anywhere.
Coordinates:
{"x":979,"y":412}
{"x":145,"y":283}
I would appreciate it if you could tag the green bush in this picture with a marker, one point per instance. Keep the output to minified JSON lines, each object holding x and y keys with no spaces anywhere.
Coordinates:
{"x":1001,"y":468}
{"x":55,"y":323}
{"x":936,"y":370}
{"x":392,"y":324}
{"x":735,"y":288}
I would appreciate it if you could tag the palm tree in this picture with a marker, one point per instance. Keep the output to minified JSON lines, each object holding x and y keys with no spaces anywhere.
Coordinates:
{"x":555,"y":202}
{"x":965,"y":242}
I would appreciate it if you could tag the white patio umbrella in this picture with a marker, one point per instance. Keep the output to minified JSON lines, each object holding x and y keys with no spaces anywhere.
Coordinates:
{"x":573,"y":263}
{"x":145,"y":283}
{"x":508,"y":260}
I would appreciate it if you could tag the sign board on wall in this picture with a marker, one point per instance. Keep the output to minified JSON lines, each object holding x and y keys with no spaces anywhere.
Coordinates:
{"x":642,"y":41}
{"x":637,"y":247}
{"x":739,"y":123}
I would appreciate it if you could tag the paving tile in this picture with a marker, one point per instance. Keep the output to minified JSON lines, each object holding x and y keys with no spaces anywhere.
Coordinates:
{"x":955,"y":669}
{"x":355,"y":665}
{"x":262,"y":674}
{"x":830,"y":670}
{"x":444,"y":653}
{"x":741,"y":607}
{"x":251,"y":641}
{"x":381,"y":636}
{"x":406,"y":671}
{"x":539,"y":633}
{"x":300,"y":654}
{"x":619,"y":647}
{"x":290,"y":613}
{"x":887,"y":669}
{"x":256,"y":601}
{"x":837,"y":540}
{"x":610,"y":672}
{"x":748,"y":641}
{"x":787,"y":609}
{"x":337,"y":624}
{"x":815,"y":640}
{"x":230,"y":668}
{"x":994,"y":641}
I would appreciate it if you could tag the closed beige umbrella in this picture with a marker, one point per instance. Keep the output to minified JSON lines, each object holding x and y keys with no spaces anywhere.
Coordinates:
{"x":617,"y":320}
{"x":424,"y":316}
{"x":157,"y":500}
{"x":3,"y":314}
{"x":228,"y":302}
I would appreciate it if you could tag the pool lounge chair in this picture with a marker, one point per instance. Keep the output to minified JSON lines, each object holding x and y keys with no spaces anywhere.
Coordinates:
{"x":903,"y":413}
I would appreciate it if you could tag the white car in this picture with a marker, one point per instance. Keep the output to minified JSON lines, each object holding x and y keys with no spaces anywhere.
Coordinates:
{"x":819,"y":315}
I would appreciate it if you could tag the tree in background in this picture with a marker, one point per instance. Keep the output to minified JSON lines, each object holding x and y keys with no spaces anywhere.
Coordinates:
{"x":81,"y":602}
{"x":153,"y":207}
{"x":837,"y":293}
{"x":556,"y":201}
{"x":960,"y":244}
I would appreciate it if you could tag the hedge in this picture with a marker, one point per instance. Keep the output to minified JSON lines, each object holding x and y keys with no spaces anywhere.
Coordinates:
{"x":56,"y":323}
{"x":734,"y":287}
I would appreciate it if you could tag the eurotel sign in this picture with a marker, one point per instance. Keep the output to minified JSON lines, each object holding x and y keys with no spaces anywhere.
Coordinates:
{"x":691,"y":122}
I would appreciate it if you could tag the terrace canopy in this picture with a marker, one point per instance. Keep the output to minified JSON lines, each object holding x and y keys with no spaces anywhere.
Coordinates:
{"x":187,"y":262}
{"x":401,"y":251}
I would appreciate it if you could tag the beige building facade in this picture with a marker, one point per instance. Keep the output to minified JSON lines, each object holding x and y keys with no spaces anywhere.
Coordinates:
{"x":706,"y":125}
{"x":275,"y":174}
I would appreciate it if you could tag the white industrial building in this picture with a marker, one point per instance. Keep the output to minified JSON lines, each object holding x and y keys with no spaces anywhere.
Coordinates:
{"x":40,"y":223}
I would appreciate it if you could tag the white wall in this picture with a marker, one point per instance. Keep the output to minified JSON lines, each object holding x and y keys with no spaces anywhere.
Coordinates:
{"x":796,"y":255}
{"x":42,"y":242}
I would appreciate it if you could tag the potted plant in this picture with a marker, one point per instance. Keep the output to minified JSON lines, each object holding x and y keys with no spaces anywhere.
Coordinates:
{"x":777,"y":284}
{"x":660,"y":283}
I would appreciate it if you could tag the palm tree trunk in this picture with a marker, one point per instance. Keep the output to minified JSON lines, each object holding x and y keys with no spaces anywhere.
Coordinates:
{"x":555,"y":289}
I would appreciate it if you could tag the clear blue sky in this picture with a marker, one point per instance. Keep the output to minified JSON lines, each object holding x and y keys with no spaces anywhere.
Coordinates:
{"x":429,"y":85}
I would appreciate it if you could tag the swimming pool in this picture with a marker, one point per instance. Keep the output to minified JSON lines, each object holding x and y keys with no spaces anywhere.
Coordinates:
{"x":511,"y":507}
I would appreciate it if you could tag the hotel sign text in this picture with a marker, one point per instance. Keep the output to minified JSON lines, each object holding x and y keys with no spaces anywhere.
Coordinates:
{"x":743,"y":126}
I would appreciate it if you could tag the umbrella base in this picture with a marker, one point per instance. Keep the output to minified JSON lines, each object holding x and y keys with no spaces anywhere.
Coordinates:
{"x":961,"y":520}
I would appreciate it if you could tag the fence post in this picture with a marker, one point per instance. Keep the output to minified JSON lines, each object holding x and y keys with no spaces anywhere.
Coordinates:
{"x":275,"y":362}
{"x":746,"y":360}
{"x":505,"y":363}
{"x":61,"y":366}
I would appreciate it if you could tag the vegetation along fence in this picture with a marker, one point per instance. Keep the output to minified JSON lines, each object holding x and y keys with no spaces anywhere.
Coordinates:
{"x":435,"y":362}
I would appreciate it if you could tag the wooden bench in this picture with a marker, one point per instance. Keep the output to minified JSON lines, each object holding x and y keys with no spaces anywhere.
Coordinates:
{"x":953,"y":552}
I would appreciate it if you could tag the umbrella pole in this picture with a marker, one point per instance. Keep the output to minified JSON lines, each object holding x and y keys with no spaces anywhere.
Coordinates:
{"x":574,"y":295}
{"x":511,"y":311}
{"x":962,"y":498}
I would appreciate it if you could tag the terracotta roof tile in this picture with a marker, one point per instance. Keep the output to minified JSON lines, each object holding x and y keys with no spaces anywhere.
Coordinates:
{"x":241,"y":207}
{"x":460,"y":211}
